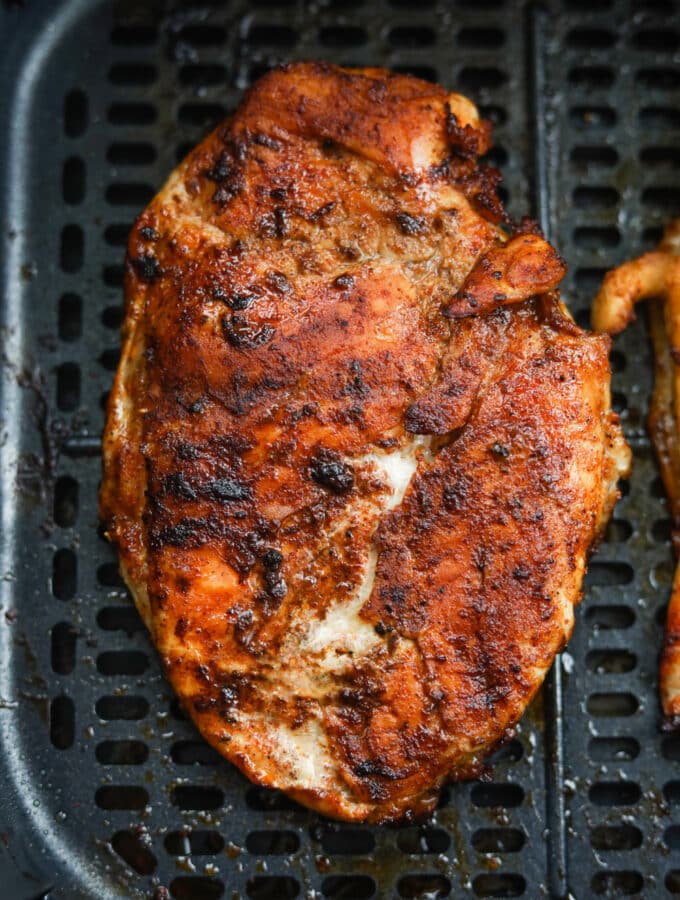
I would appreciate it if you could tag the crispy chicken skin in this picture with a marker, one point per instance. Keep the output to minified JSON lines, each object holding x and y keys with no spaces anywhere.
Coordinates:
{"x":356,"y":452}
{"x":655,"y":276}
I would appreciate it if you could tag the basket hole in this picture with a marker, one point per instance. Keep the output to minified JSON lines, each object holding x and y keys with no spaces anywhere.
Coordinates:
{"x":203,"y":35}
{"x":280,"y":36}
{"x":671,"y":837}
{"x":202,"y":76}
{"x":112,"y":317}
{"x":411,"y":37}
{"x":618,"y":531}
{"x":430,"y":886}
{"x":481,"y":38}
{"x":113,"y":275}
{"x":176,"y":710}
{"x":422,"y":840}
{"x":478,"y":78}
{"x":65,"y":501}
{"x":194,"y":796}
{"x":499,"y":884}
{"x":189,"y":753}
{"x":610,"y":617}
{"x":498,"y":840}
{"x":609,"y":573}
{"x":594,"y":156}
{"x":129,"y":708}
{"x":615,"y":883}
{"x":122,"y":662}
{"x":70,"y":317}
{"x":611,"y":662}
{"x":595,"y":197}
{"x":670,"y":747}
{"x":593,"y":116}
{"x":591,"y":77}
{"x":121,"y":796}
{"x":62,"y":722}
{"x":200,"y":115}
{"x":661,"y":156}
{"x":184,"y":149}
{"x":590,"y":39}
{"x":64,"y":574}
{"x":130,"y":848}
{"x":502,"y":795}
{"x":618,"y":361}
{"x":661,"y":117}
{"x":651,"y":237}
{"x":607,"y":705}
{"x":109,"y":358}
{"x":265,"y":800}
{"x":615,"y":837}
{"x":72,"y":248}
{"x":257,"y":70}
{"x":131,"y":154}
{"x":662,"y":530}
{"x":73,"y":181}
{"x":582,"y":318}
{"x":671,"y":792}
{"x":495,"y":114}
{"x":596,"y":238}
{"x":129,"y":194}
{"x":656,"y":5}
{"x":120,"y":618}
{"x":343,"y":36}
{"x":411,"y":4}
{"x":75,"y":113}
{"x":63,"y":648}
{"x":131,"y":114}
{"x":664,"y":198}
{"x":198,"y":888}
{"x":347,"y":840}
{"x":194,"y":843}
{"x":588,"y":280}
{"x":348,"y":887}
{"x":425,"y":73}
{"x":108,"y":575}
{"x":268,"y":843}
{"x":509,"y":752}
{"x":656,"y":39}
{"x":133,"y":36}
{"x":658,"y":79}
{"x":657,"y":489}
{"x":615,"y":793}
{"x":132,"y":73}
{"x":117,"y":235}
{"x":497,"y":156}
{"x":122,"y":753}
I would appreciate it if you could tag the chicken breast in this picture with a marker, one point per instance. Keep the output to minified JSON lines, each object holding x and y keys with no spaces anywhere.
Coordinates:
{"x":357,"y":451}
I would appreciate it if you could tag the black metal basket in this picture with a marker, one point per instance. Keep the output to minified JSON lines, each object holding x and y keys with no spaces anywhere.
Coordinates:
{"x":105,"y":788}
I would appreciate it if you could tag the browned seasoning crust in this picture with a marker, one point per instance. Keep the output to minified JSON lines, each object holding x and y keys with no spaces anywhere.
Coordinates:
{"x":354,"y":516}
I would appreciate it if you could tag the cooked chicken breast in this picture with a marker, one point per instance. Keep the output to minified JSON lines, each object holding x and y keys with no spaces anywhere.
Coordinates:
{"x":655,"y":276}
{"x":357,"y":451}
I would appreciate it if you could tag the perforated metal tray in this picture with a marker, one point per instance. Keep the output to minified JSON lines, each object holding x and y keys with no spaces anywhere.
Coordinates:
{"x":105,"y":788}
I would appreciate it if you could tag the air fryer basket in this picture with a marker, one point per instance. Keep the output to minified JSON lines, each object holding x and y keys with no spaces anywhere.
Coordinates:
{"x":105,"y":788}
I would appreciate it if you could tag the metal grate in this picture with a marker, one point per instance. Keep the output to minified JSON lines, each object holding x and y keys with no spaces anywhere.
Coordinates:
{"x":107,"y":790}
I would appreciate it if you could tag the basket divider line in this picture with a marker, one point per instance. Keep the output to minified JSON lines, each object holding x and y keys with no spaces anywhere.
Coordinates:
{"x":556,"y":842}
